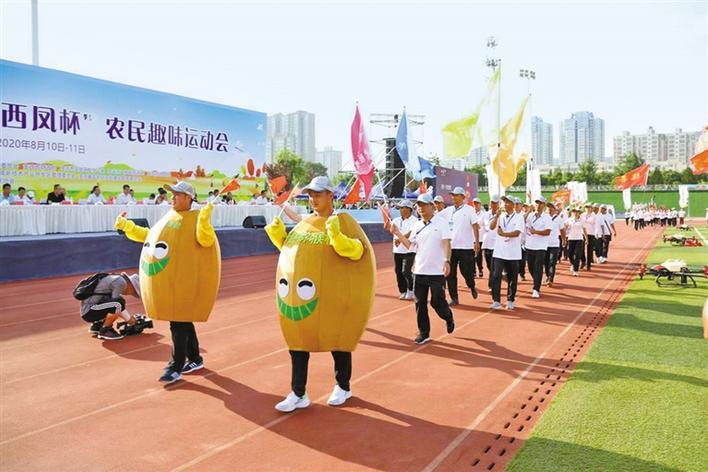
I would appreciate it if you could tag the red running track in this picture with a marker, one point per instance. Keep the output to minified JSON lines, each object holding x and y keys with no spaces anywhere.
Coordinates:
{"x":466,"y":400}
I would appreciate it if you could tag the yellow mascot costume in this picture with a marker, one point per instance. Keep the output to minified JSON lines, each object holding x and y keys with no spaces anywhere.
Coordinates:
{"x":324,"y":286}
{"x":180,"y":266}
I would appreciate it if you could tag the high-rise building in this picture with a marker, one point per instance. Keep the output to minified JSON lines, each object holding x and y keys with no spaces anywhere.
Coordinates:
{"x":582,"y":138}
{"x":541,"y":141}
{"x":478,"y":156}
{"x":665,"y":150}
{"x":295,"y":132}
{"x":331,"y":159}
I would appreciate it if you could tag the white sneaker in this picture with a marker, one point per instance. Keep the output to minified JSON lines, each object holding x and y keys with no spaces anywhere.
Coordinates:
{"x":535,"y":294}
{"x":403,"y":296}
{"x":495,"y":306}
{"x":410,"y":295}
{"x":509,"y":305}
{"x":575,"y":273}
{"x":292,"y":402}
{"x":339,"y":396}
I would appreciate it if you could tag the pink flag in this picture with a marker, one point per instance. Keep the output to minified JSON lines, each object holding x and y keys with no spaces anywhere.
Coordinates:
{"x":363,"y":164}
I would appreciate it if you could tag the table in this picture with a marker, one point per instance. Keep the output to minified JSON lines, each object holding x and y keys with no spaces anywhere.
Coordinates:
{"x":31,"y":220}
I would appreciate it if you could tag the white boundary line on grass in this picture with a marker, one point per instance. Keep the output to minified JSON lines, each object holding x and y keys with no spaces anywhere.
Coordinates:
{"x":701,"y":235}
{"x":463,"y":435}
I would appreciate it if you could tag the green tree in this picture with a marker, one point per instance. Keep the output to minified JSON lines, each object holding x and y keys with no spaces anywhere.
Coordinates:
{"x":656,"y":177}
{"x":315,"y":169}
{"x":481,"y":171}
{"x":587,"y":173}
{"x":294,"y":168}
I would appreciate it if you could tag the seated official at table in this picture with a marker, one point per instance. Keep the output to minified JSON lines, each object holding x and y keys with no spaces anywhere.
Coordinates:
{"x":95,"y":197}
{"x":125,"y":198}
{"x":7,"y":196}
{"x":57,"y":195}
{"x":25,"y":197}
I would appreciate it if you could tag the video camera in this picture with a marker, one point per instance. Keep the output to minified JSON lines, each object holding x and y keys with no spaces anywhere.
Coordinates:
{"x":141,"y":322}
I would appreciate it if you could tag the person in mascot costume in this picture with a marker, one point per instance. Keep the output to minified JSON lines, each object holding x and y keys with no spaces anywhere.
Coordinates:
{"x":180,"y":270}
{"x":325,"y":290}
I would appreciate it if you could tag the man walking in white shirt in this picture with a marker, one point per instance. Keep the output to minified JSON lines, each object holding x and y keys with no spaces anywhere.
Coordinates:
{"x":480,"y":213}
{"x":507,"y":253}
{"x":588,"y":219}
{"x":607,"y":226}
{"x":490,"y":236}
{"x":555,"y":240}
{"x":431,"y":238}
{"x":538,"y":229}
{"x":465,"y":243}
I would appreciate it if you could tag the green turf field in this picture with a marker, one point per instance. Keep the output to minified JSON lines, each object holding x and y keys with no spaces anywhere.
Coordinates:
{"x":697,"y":201}
{"x":639,"y":399}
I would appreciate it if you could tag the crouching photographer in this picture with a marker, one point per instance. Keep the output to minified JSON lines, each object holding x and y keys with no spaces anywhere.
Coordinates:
{"x":102,"y":304}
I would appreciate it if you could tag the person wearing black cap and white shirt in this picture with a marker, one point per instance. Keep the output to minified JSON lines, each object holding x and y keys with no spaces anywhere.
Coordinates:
{"x":465,"y":243}
{"x":403,"y":257}
{"x":490,"y":236}
{"x":507,"y":252}
{"x":480,"y":213}
{"x":431,"y":238}
{"x":555,"y":240}
{"x":607,"y":226}
{"x":538,"y":230}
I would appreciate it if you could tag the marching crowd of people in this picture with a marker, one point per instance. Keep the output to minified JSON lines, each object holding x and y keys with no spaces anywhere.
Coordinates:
{"x":510,"y":237}
{"x":642,"y":215}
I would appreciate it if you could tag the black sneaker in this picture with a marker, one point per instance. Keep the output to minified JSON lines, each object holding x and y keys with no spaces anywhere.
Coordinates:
{"x":453,"y":302}
{"x":474,"y":293}
{"x":450,"y":326}
{"x":170,"y":376}
{"x":95,"y":327}
{"x":109,"y":334}
{"x":420,"y":339}
{"x":192,"y":366}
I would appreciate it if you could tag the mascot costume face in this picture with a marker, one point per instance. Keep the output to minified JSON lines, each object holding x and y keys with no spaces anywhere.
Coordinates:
{"x":180,"y":264}
{"x":324,"y":282}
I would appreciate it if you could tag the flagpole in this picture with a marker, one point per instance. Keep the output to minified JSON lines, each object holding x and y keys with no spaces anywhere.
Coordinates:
{"x":494,"y":62}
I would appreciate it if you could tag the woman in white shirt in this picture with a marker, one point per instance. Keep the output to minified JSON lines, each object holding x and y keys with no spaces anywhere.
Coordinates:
{"x":577,"y":235}
{"x":95,"y":197}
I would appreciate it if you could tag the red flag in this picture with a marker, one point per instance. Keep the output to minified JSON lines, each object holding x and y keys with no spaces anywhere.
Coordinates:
{"x":699,"y":163}
{"x":363,"y":165}
{"x":230,"y":187}
{"x":277,"y":184}
{"x":562,"y":195}
{"x":632,"y":178}
{"x":285,"y":196}
{"x":353,"y":195}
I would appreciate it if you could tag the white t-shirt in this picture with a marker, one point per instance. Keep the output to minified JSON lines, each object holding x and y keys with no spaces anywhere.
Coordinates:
{"x":682,"y":214}
{"x":261,"y":200}
{"x":94,"y":199}
{"x":490,"y":235}
{"x":405,"y":226}
{"x":539,"y":223}
{"x":602,"y":225}
{"x":509,"y":248}
{"x":428,"y":242}
{"x":124,"y":199}
{"x":574,"y":229}
{"x":461,"y":220}
{"x":589,"y":222}
{"x":481,"y":216}
{"x":556,"y":225}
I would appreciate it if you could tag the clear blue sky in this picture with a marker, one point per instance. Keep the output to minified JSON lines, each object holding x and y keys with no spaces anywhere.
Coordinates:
{"x":633,"y":64}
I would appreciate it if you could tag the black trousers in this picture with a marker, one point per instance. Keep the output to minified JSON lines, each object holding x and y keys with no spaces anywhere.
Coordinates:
{"x":605,"y":244}
{"x":598,"y":246}
{"x":465,"y":259}
{"x":522,"y":263}
{"x":435,"y":284}
{"x":536,"y":259}
{"x":300,"y":360}
{"x":587,"y":258}
{"x":637,"y":224}
{"x":185,"y":345}
{"x":552,"y":255}
{"x":404,"y":265}
{"x":511,"y":268}
{"x":626,"y":221}
{"x":575,"y":252}
{"x":479,"y":259}
{"x":488,"y":255}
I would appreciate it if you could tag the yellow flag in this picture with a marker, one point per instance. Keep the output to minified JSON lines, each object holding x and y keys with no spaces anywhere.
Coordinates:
{"x":504,"y":164}
{"x":458,"y":134}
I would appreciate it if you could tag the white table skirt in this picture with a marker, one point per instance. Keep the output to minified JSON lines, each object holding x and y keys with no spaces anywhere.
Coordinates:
{"x":31,"y":220}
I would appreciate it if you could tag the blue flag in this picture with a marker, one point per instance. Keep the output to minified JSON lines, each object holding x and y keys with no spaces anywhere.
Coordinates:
{"x":405,"y":148}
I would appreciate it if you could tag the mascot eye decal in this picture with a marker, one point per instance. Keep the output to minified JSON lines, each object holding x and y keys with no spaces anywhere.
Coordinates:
{"x":158,"y":253}
{"x":305,"y":290}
